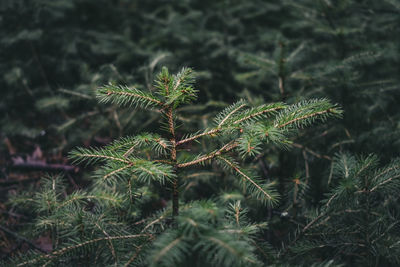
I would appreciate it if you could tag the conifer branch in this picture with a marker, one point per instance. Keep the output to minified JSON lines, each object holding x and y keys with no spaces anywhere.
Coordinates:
{"x":152,"y":173}
{"x":136,"y":253}
{"x":167,"y":248}
{"x":396,"y":167}
{"x":93,"y":155}
{"x":226,"y":119}
{"x":129,"y":144}
{"x":162,"y":217}
{"x":210,"y":132}
{"x":224,"y":244}
{"x":129,"y":151}
{"x":64,"y":250}
{"x":384,"y":182}
{"x":246,"y":128}
{"x":258,"y":114}
{"x":302,"y":232}
{"x":112,"y":173}
{"x":110,"y":244}
{"x":330,"y":200}
{"x":103,"y":157}
{"x":164,"y":161}
{"x":234,"y":167}
{"x":79,"y":197}
{"x":123,"y":95}
{"x":303,"y":118}
{"x":227,"y":147}
{"x":230,"y":114}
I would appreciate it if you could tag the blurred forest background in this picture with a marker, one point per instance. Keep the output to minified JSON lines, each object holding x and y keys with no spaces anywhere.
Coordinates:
{"x":55,"y":53}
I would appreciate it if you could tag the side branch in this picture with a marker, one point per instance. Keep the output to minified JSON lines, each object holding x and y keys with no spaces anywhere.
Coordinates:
{"x":234,"y":123}
{"x":123,"y":95}
{"x":384,"y":182}
{"x":77,"y":246}
{"x":211,"y":132}
{"x":103,"y":157}
{"x":230,"y":114}
{"x":108,"y":175}
{"x":303,"y":118}
{"x":225,"y":148}
{"x":75,"y":198}
{"x":155,"y":101}
{"x":256,"y":114}
{"x":246,"y":177}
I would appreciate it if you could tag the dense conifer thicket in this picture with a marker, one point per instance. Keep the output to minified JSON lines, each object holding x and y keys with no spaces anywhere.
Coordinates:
{"x":238,"y":159}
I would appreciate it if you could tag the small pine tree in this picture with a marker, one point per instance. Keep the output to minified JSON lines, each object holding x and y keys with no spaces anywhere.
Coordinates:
{"x":110,"y":222}
{"x":239,"y":127}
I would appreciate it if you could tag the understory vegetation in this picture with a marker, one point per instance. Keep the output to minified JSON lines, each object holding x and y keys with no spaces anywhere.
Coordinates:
{"x":200,"y":133}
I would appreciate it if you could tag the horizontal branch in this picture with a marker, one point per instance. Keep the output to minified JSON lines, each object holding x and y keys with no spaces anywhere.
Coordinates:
{"x":256,"y":114}
{"x":211,"y":132}
{"x":384,"y":182}
{"x":230,"y":114}
{"x":77,"y":197}
{"x":155,"y":101}
{"x":66,"y":249}
{"x":167,"y":248}
{"x":162,"y":217}
{"x":124,"y":95}
{"x":247,"y":177}
{"x":118,"y":170}
{"x":103,"y":157}
{"x":386,"y":171}
{"x":303,"y":118}
{"x":302,"y":231}
{"x":227,"y":147}
{"x":220,"y":125}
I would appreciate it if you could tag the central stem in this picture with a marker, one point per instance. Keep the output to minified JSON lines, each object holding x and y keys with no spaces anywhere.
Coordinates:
{"x":175,"y":192}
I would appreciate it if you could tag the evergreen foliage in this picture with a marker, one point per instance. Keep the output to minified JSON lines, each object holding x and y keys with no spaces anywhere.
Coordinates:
{"x":341,"y":50}
{"x":358,"y":221}
{"x":102,"y":225}
{"x":319,"y":200}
